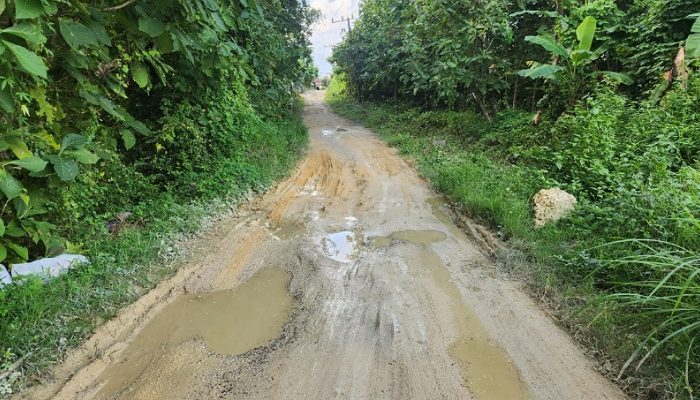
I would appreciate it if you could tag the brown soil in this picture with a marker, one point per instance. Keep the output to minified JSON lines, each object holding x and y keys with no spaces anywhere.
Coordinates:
{"x":348,"y":281}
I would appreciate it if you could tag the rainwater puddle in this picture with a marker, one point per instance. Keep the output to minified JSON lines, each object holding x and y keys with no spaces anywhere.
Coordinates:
{"x":420,"y":237}
{"x":341,"y":246}
{"x":230,"y":322}
{"x":488,"y":372}
{"x":329,"y":132}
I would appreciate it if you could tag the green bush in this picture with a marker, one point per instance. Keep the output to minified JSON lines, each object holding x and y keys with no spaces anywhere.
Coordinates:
{"x":168,"y":110}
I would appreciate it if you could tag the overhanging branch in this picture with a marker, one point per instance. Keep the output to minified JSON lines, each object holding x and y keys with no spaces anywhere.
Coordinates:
{"x":120,"y":6}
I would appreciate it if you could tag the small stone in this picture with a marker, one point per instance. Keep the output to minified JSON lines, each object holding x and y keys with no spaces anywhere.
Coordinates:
{"x":551,"y":205}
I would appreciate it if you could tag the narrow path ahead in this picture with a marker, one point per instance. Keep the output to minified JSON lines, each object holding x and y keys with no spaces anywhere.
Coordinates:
{"x":348,"y":281}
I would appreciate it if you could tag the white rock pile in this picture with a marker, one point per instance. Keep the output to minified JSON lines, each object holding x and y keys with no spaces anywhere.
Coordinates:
{"x":551,"y":205}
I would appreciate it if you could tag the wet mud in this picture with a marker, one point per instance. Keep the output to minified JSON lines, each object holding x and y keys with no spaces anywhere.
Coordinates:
{"x":229,"y":322}
{"x":348,"y":280}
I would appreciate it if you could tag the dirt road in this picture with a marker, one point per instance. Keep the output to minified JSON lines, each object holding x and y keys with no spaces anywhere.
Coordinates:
{"x":348,"y":281}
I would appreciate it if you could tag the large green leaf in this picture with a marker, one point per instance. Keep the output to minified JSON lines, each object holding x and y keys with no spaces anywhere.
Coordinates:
{"x":18,"y":146}
{"x":579,"y":56}
{"x":540,"y":71}
{"x":28,"y":9}
{"x":138,"y":126}
{"x":585,"y":33}
{"x":28,"y":60}
{"x":73,"y":141}
{"x":3,"y":249}
{"x":2,"y":6}
{"x":20,"y":251}
{"x":66,"y":168}
{"x":10,"y":186}
{"x":128,"y":138}
{"x":139,"y":72}
{"x":692,"y":45}
{"x":100,"y":33}
{"x":550,"y":45}
{"x":26,"y":31}
{"x":83,"y":156}
{"x":13,"y":229}
{"x":99,"y":99}
{"x":164,"y":43}
{"x":7,"y":104}
{"x":76,"y":34}
{"x":33,"y":164}
{"x":151,"y":26}
{"x":50,"y":6}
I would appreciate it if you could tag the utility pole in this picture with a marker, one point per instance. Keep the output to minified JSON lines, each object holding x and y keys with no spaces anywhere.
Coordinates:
{"x":344,"y":19}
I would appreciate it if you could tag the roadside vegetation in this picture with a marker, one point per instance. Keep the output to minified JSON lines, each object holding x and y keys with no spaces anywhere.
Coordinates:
{"x":124,"y":127}
{"x":496,"y":100}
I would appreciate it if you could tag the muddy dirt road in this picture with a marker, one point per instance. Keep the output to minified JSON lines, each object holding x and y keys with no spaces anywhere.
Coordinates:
{"x":348,"y":281}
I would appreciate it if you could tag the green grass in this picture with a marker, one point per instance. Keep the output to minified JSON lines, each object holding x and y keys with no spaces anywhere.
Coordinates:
{"x":41,"y":321}
{"x":635,"y":306}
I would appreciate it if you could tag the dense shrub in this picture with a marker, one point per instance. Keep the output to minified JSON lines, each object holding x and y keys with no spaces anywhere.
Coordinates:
{"x":87,"y":84}
{"x":168,"y":111}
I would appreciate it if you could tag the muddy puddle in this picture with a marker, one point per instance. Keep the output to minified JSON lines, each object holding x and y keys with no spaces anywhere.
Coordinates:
{"x":229,"y":322}
{"x":341,"y":246}
{"x":419,"y":237}
{"x":487,"y":370}
{"x":346,"y":246}
{"x":329,"y":132}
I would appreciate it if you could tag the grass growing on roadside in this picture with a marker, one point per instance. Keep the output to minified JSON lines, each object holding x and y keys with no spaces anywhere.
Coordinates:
{"x":628,"y":302}
{"x":41,"y":321}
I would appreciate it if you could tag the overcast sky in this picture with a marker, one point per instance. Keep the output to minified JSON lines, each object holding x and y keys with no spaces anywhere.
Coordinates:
{"x":327,"y":33}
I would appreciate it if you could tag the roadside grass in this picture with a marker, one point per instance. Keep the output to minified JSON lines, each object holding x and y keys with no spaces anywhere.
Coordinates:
{"x":41,"y":321}
{"x":633,"y":303}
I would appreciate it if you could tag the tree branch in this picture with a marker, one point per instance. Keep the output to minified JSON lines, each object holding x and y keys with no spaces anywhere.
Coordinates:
{"x":120,"y":6}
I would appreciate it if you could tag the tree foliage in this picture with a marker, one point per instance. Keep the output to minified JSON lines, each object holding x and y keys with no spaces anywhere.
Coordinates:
{"x":87,"y":83}
{"x":466,"y":53}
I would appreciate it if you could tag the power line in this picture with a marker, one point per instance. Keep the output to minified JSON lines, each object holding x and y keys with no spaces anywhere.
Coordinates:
{"x":344,"y":19}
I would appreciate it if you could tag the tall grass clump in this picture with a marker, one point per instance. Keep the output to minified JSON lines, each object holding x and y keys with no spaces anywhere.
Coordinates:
{"x":664,"y":303}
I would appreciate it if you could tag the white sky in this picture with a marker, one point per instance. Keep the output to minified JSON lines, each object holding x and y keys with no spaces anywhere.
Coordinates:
{"x":327,"y":33}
